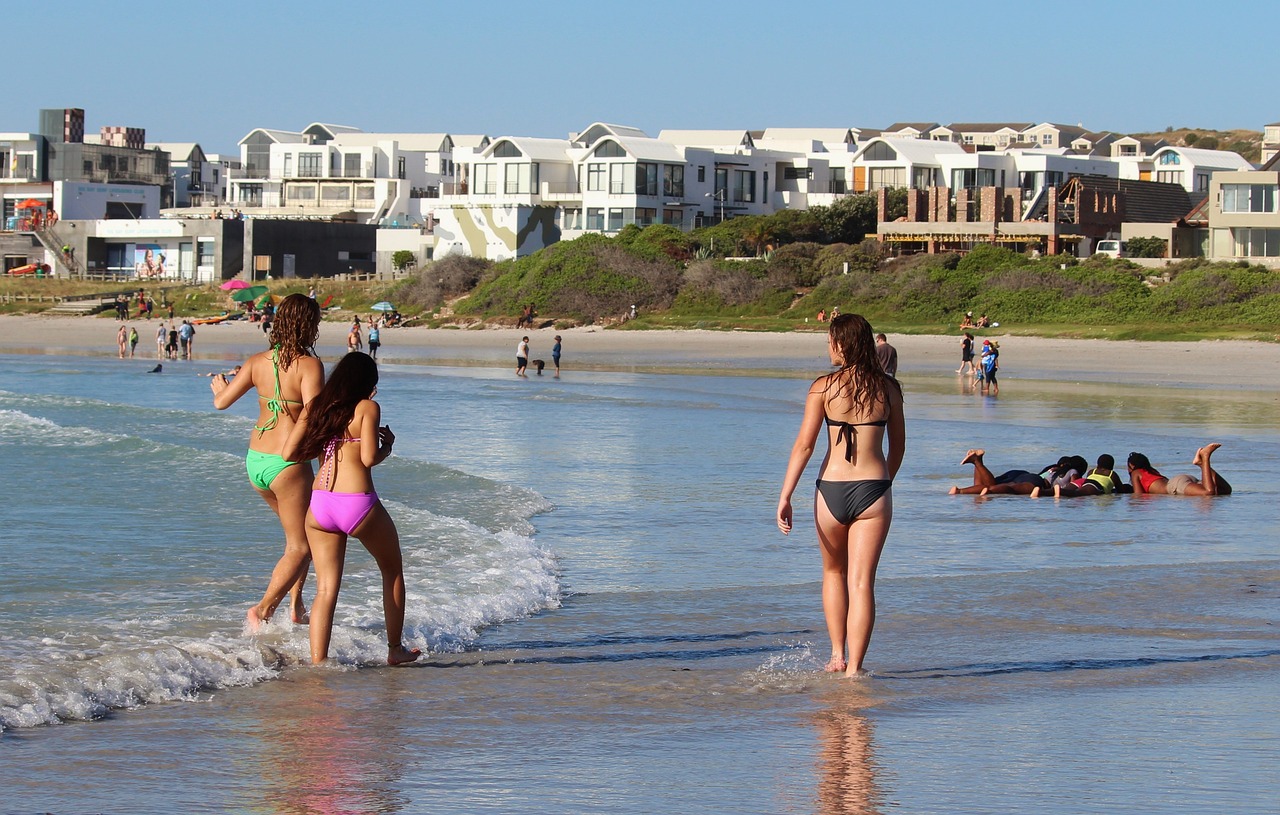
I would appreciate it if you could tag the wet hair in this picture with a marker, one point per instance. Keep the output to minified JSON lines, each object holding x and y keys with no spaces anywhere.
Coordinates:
{"x":861,"y":376}
{"x":1106,"y":461}
{"x":352,"y":381}
{"x":1079,"y":464}
{"x":295,"y":328}
{"x":1140,"y":462}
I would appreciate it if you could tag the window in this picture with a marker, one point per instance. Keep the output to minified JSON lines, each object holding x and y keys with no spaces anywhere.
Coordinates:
{"x":922,"y":178}
{"x":571,"y":218}
{"x":702,"y":175}
{"x":674,"y":217}
{"x":621,"y":179}
{"x":1249,"y":197}
{"x":722,"y":184}
{"x":520,"y":179}
{"x":646,"y":178}
{"x":744,"y":186}
{"x":886,"y":177}
{"x":400,"y":167}
{"x":310,"y":164}
{"x":610,"y":149}
{"x":795,"y":173}
{"x":507,"y":150}
{"x":1169,"y":176}
{"x":978,"y":177}
{"x":486,"y":179}
{"x":646,"y":216}
{"x":838,"y":184}
{"x":595,"y":178}
{"x":1256,"y":243}
{"x":1170,"y":158}
{"x":302,"y":192}
{"x":968,"y":139}
{"x":288,"y":165}
{"x":673,"y":180}
{"x":615,"y":219}
{"x":1128,"y":150}
{"x":88,"y":167}
{"x":205,"y":247}
{"x":880,"y":152}
{"x":364,"y":192}
{"x":1047,"y":138}
{"x":595,"y":219}
{"x":351,"y":165}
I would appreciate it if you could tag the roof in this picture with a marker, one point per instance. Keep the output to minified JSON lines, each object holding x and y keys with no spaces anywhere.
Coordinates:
{"x":923,"y":127}
{"x":989,"y":127}
{"x":473,"y":140}
{"x":655,"y":149}
{"x":916,"y":151}
{"x":707,"y":138}
{"x":177,"y":150}
{"x":597,"y":131}
{"x":277,"y":136}
{"x":424,"y":142}
{"x":1200,"y":157}
{"x":827,"y":135}
{"x":537,"y":149}
{"x":1144,"y":201}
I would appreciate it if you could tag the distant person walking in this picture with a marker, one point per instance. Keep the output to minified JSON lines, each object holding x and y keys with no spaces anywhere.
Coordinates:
{"x":990,"y":365}
{"x":375,"y":340}
{"x":887,"y":355}
{"x":133,"y":341}
{"x":966,"y":354}
{"x":161,"y":335}
{"x":122,"y":340}
{"x":555,"y":356}
{"x":522,"y":356}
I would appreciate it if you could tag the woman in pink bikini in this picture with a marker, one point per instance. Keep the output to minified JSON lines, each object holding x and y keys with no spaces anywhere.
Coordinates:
{"x":1147,"y":480}
{"x":340,"y":427}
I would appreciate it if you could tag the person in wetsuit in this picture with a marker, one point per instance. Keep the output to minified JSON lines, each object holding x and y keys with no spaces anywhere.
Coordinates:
{"x":861,"y":407}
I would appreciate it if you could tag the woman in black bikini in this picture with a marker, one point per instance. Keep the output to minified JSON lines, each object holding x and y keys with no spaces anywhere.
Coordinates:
{"x":860,"y":406}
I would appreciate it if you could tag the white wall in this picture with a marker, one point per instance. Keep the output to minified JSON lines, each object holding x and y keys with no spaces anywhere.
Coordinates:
{"x":75,"y":201}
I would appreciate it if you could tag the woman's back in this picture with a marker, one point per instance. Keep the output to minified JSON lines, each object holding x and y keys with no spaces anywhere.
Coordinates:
{"x":281,"y":393}
{"x":855,"y":433}
{"x":346,"y":461}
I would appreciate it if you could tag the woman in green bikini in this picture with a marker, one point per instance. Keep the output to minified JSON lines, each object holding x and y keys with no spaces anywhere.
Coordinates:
{"x":286,"y":376}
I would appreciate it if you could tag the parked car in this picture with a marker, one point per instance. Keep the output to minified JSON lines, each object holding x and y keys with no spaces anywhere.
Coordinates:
{"x":1113,"y":249}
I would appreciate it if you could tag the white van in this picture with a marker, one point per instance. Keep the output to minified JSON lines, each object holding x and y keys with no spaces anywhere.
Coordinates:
{"x":1113,"y":249}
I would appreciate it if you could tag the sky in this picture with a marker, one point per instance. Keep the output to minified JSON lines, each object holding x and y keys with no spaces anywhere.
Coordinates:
{"x":210,"y":73}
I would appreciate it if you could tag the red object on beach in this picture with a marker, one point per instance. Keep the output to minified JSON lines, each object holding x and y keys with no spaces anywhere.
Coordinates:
{"x":31,"y":203}
{"x":230,"y":285}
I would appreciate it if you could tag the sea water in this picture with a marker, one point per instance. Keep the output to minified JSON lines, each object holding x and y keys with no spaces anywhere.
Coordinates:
{"x":612,"y":621}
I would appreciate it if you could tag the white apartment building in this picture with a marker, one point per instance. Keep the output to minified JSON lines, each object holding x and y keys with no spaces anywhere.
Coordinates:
{"x":1190,"y":167}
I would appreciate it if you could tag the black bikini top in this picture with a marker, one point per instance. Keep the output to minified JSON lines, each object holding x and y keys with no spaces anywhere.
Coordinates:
{"x":846,"y":432}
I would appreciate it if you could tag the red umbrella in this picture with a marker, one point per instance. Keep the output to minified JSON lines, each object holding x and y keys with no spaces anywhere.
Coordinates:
{"x":31,"y":203}
{"x":231,"y":285}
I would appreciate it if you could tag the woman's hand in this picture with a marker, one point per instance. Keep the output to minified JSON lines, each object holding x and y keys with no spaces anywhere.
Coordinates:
{"x":385,"y":439}
{"x":218,"y":384}
{"x":784,"y":516}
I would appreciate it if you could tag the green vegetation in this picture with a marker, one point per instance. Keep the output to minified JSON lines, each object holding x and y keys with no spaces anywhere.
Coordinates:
{"x":1146,"y":247}
{"x":775,"y":273}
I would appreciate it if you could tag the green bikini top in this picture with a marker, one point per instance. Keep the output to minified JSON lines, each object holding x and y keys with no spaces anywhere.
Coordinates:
{"x":276,"y":405}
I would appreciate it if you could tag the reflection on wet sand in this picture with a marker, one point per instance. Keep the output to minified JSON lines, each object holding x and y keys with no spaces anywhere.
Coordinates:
{"x":847,"y":766}
{"x":334,"y":752}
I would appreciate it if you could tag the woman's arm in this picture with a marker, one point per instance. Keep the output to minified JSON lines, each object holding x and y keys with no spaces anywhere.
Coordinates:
{"x":375,"y":441}
{"x":801,"y":452}
{"x":312,"y":378}
{"x":295,"y":436}
{"x":225,"y":393}
{"x":897,"y":430}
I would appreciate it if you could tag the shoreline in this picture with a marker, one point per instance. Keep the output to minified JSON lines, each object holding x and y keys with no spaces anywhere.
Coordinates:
{"x":1232,"y":364}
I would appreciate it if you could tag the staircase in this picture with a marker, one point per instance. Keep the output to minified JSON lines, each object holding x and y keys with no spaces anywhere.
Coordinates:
{"x":49,"y":238}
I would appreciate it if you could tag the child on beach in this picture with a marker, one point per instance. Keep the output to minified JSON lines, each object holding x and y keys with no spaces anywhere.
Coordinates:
{"x":341,"y":428}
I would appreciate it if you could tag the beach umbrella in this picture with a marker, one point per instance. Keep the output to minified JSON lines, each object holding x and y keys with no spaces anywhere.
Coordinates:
{"x":231,"y":285}
{"x":251,"y":293}
{"x":266,"y":298}
{"x":31,"y":203}
{"x":383,"y":306}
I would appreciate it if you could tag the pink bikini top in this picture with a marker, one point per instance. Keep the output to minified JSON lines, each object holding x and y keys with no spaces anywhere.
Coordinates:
{"x":328,"y":457}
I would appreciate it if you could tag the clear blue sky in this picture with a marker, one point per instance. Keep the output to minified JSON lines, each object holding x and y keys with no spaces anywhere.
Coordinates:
{"x":212,"y":72}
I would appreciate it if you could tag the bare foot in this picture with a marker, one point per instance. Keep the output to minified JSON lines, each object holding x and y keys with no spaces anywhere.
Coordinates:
{"x":1035,"y":492}
{"x":857,"y":673}
{"x":835,"y":665}
{"x":399,"y":655}
{"x":252,"y":622}
{"x":953,"y":491}
{"x":973,"y":455}
{"x":299,"y":615}
{"x":1057,"y":491}
{"x":985,"y":490}
{"x":1204,"y":452}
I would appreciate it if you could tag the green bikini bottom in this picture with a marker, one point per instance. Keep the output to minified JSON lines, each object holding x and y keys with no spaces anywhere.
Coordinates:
{"x":264,"y":467}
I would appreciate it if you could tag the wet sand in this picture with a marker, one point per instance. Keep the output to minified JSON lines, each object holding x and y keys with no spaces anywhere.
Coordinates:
{"x":1209,"y":363}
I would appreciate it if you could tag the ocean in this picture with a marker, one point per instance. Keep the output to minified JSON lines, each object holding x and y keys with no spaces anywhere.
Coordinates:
{"x":612,"y":622}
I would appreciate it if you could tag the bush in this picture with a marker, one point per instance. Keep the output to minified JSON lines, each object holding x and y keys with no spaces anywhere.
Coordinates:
{"x":1146,"y":247}
{"x":403,"y":258}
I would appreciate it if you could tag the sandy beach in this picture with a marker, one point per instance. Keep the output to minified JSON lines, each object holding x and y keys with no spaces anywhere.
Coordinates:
{"x":1213,"y":363}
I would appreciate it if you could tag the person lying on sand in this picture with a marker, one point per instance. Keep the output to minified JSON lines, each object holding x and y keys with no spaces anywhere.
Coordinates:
{"x":1101,"y":480}
{"x":1017,"y":482}
{"x":1148,"y":480}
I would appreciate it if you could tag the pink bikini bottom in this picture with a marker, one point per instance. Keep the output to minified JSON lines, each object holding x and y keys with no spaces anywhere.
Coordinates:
{"x":341,"y":511}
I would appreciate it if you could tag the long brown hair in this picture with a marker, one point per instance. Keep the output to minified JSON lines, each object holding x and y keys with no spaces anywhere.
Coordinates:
{"x":861,"y":377}
{"x":295,"y":328}
{"x":353,"y":380}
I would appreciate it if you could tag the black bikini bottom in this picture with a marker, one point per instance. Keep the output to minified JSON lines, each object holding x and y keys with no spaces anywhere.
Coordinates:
{"x":846,"y":500}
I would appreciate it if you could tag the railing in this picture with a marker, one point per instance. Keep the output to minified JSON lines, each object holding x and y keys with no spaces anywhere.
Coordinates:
{"x":454,"y":188}
{"x":21,"y":175}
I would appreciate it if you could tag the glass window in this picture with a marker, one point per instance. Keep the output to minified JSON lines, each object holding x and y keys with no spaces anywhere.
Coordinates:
{"x":886,"y":177}
{"x":796,"y":173}
{"x":1047,"y":138}
{"x":1256,"y":243}
{"x":486,"y":179}
{"x":1249,"y":197}
{"x":507,"y":150}
{"x":646,"y":178}
{"x":838,"y":184}
{"x":1170,"y":158}
{"x":922,"y":177}
{"x":621,"y":179}
{"x":610,"y":149}
{"x":722,"y":184}
{"x":880,"y":152}
{"x":302,"y":192}
{"x":520,"y":179}
{"x":744,"y":186}
{"x":595,"y":219}
{"x":595,"y":178}
{"x":571,"y":218}
{"x":702,"y":175}
{"x":351,"y":165}
{"x":1169,"y":176}
{"x":309,"y":164}
{"x":673,"y":180}
{"x":646,"y":216}
{"x":615,"y":219}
